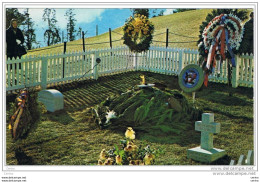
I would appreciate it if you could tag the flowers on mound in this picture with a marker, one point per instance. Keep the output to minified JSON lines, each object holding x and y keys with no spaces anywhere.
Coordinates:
{"x":138,"y":33}
{"x":129,"y":153}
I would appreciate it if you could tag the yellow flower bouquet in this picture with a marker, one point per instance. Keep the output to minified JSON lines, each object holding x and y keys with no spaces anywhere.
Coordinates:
{"x":129,"y":153}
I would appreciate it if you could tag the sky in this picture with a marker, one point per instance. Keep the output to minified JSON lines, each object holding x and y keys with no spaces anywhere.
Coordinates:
{"x":87,"y":19}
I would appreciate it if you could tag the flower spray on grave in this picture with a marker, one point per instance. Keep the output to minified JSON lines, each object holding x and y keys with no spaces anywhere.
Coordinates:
{"x":128,"y":153}
{"x":24,"y":114}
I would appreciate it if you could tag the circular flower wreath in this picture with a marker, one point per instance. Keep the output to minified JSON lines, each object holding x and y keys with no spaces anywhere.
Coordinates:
{"x":138,"y":33}
{"x":231,"y":22}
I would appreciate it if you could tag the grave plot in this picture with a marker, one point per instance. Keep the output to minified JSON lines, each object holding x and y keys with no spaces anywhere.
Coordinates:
{"x":71,"y":137}
{"x":162,"y":116}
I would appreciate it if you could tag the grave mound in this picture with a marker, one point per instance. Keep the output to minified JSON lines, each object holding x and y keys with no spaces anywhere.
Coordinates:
{"x":164,"y":116}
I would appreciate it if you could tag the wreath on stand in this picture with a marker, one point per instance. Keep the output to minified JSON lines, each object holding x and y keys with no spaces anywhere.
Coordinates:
{"x":221,"y":39}
{"x":138,"y":33}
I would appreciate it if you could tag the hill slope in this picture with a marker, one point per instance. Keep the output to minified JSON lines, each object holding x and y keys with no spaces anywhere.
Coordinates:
{"x":183,"y":23}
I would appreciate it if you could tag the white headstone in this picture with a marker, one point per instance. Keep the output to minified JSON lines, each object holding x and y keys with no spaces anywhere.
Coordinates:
{"x":52,"y":99}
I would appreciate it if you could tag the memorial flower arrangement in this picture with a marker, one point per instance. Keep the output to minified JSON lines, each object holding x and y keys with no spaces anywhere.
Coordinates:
{"x":128,"y":153}
{"x":221,"y":39}
{"x":138,"y":33}
{"x":233,"y":26}
{"x":24,"y":113}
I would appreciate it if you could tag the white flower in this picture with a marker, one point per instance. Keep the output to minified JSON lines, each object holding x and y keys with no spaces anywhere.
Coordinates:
{"x":110,"y":115}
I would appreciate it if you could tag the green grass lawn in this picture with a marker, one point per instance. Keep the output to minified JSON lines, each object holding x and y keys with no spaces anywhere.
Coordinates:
{"x":70,"y":137}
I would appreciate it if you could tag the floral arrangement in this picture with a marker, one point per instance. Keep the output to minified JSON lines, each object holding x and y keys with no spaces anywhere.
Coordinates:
{"x":129,"y":153}
{"x":221,"y":36}
{"x":24,"y":112}
{"x":231,"y":22}
{"x":138,"y":33}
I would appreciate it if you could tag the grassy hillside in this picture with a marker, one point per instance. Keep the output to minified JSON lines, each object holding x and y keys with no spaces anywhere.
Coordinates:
{"x":184,"y":23}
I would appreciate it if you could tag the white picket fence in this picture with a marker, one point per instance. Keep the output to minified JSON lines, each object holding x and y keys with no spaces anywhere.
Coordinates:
{"x":55,"y":69}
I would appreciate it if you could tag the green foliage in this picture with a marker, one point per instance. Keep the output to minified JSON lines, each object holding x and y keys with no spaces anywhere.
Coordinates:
{"x":161,"y":13}
{"x":182,"y":10}
{"x":52,"y":33}
{"x":247,"y":44}
{"x":13,"y":13}
{"x":29,"y":31}
{"x":149,"y":111}
{"x":144,"y":12}
{"x":71,"y":24}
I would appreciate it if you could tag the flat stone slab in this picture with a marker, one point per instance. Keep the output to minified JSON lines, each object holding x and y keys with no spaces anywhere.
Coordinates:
{"x":52,"y":99}
{"x":148,"y":85}
{"x":202,"y":155}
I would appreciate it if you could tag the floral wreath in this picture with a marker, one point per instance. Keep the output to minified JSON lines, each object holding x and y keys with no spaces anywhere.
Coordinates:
{"x":223,"y":34}
{"x":233,"y":25}
{"x":138,"y":33}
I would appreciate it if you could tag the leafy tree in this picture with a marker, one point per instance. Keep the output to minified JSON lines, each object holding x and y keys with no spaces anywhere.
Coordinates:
{"x":181,"y":10}
{"x":79,"y":33}
{"x":144,"y":12}
{"x":13,"y":13}
{"x":161,"y":13}
{"x":71,"y":30}
{"x":52,"y":33}
{"x":154,"y":12}
{"x":247,"y":44}
{"x":29,"y":31}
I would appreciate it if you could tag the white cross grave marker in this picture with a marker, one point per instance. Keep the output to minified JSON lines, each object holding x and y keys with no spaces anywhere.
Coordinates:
{"x":207,"y":128}
{"x":205,"y":152}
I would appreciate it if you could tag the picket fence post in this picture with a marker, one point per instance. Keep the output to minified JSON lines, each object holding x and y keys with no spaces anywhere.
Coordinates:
{"x":181,"y":62}
{"x":135,"y":61}
{"x":44,"y":72}
{"x":94,"y":66}
{"x":235,"y":73}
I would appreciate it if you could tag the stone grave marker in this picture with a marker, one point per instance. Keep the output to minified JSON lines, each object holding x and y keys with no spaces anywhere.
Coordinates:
{"x":206,"y":152}
{"x":52,"y":99}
